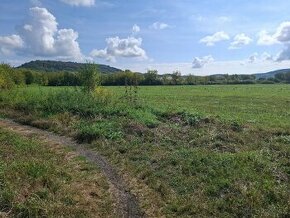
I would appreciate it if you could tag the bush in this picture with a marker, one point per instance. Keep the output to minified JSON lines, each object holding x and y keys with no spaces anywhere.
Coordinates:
{"x":6,"y":81}
{"x":88,"y":132}
{"x":102,"y":94}
{"x":90,"y":77}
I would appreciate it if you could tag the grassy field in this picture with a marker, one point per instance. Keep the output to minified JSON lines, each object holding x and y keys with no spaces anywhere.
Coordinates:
{"x":218,"y":151}
{"x":41,"y":180}
{"x":259,"y":104}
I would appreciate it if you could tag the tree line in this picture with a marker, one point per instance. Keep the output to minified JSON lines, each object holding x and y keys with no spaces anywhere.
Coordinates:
{"x":11,"y":76}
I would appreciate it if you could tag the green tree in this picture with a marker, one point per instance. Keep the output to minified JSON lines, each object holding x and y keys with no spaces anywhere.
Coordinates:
{"x":190,"y":80}
{"x":6,"y":80}
{"x":287,"y":77}
{"x":280,"y":76}
{"x":90,"y":77}
{"x":151,"y":78}
{"x":176,"y":75}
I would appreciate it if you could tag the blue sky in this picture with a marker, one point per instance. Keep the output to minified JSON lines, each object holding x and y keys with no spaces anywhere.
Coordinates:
{"x":197,"y":37}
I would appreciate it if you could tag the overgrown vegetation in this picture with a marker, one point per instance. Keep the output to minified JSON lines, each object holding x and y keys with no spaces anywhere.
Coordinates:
{"x":40,"y":180}
{"x":184,"y":150}
{"x":89,"y":77}
{"x":181,"y":162}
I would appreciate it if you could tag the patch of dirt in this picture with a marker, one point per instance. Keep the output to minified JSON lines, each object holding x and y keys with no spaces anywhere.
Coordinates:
{"x":135,"y":129}
{"x":128,"y":205}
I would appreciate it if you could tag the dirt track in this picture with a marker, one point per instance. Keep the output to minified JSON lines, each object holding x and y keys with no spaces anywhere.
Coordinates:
{"x":127,"y":202}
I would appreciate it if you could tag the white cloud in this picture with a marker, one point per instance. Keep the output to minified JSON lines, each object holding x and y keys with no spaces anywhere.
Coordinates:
{"x":128,"y":48}
{"x":136,"y":28}
{"x":40,"y":37}
{"x":86,"y":3}
{"x":267,"y":57}
{"x":283,"y":32}
{"x":240,"y":40}
{"x":253,"y":58}
{"x":217,"y":37}
{"x":35,"y":2}
{"x":264,"y":38}
{"x":9,"y":43}
{"x":199,"y":62}
{"x":38,"y":33}
{"x":43,"y":38}
{"x":259,"y":58}
{"x":215,"y":67}
{"x":66,"y":45}
{"x":284,"y":54}
{"x":159,"y":26}
{"x":281,"y":36}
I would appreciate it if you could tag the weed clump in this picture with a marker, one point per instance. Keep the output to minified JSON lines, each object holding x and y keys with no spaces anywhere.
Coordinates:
{"x":235,"y":126}
{"x":88,"y":132}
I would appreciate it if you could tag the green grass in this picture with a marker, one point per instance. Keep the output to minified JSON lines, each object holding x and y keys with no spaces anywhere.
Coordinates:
{"x":38,"y":181}
{"x":210,"y":169}
{"x":202,"y":151}
{"x":258,"y":104}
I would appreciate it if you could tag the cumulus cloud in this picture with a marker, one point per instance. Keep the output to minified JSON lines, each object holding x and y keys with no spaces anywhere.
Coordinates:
{"x":86,"y":3}
{"x":264,"y":38}
{"x":284,"y":54}
{"x":267,"y":57}
{"x":40,"y":36}
{"x":199,"y":62}
{"x":136,"y":29}
{"x":253,"y":58}
{"x":217,"y":37}
{"x":281,"y":36}
{"x":8,"y":44}
{"x":159,"y":26}
{"x":283,"y":32}
{"x":259,"y":58}
{"x":240,"y":40}
{"x":39,"y":31}
{"x":127,"y":48}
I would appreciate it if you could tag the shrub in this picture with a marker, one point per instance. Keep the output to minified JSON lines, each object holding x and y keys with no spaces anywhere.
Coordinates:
{"x":90,"y":77}
{"x":6,"y":81}
{"x":102,"y":94}
{"x":88,"y":132}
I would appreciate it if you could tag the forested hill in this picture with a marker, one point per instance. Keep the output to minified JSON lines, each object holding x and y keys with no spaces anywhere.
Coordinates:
{"x":57,"y":66}
{"x":271,"y":74}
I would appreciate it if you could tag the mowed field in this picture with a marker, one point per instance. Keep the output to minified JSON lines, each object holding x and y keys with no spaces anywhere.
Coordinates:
{"x":258,"y":104}
{"x":184,"y":151}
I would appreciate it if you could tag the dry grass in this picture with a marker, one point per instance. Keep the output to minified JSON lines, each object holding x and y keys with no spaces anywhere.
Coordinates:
{"x":48,"y":180}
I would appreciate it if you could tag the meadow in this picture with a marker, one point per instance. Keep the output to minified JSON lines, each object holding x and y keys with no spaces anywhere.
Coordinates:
{"x":258,"y":104}
{"x":38,"y":179}
{"x":183,"y":150}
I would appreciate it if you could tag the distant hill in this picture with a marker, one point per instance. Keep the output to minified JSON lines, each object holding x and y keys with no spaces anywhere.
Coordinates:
{"x":267,"y":75}
{"x":57,"y":66}
{"x":270,"y":74}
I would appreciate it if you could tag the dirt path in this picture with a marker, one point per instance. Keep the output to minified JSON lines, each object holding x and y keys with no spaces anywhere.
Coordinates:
{"x":127,"y":202}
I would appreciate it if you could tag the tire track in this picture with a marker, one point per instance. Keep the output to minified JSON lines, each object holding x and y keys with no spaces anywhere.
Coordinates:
{"x":127,"y":202}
